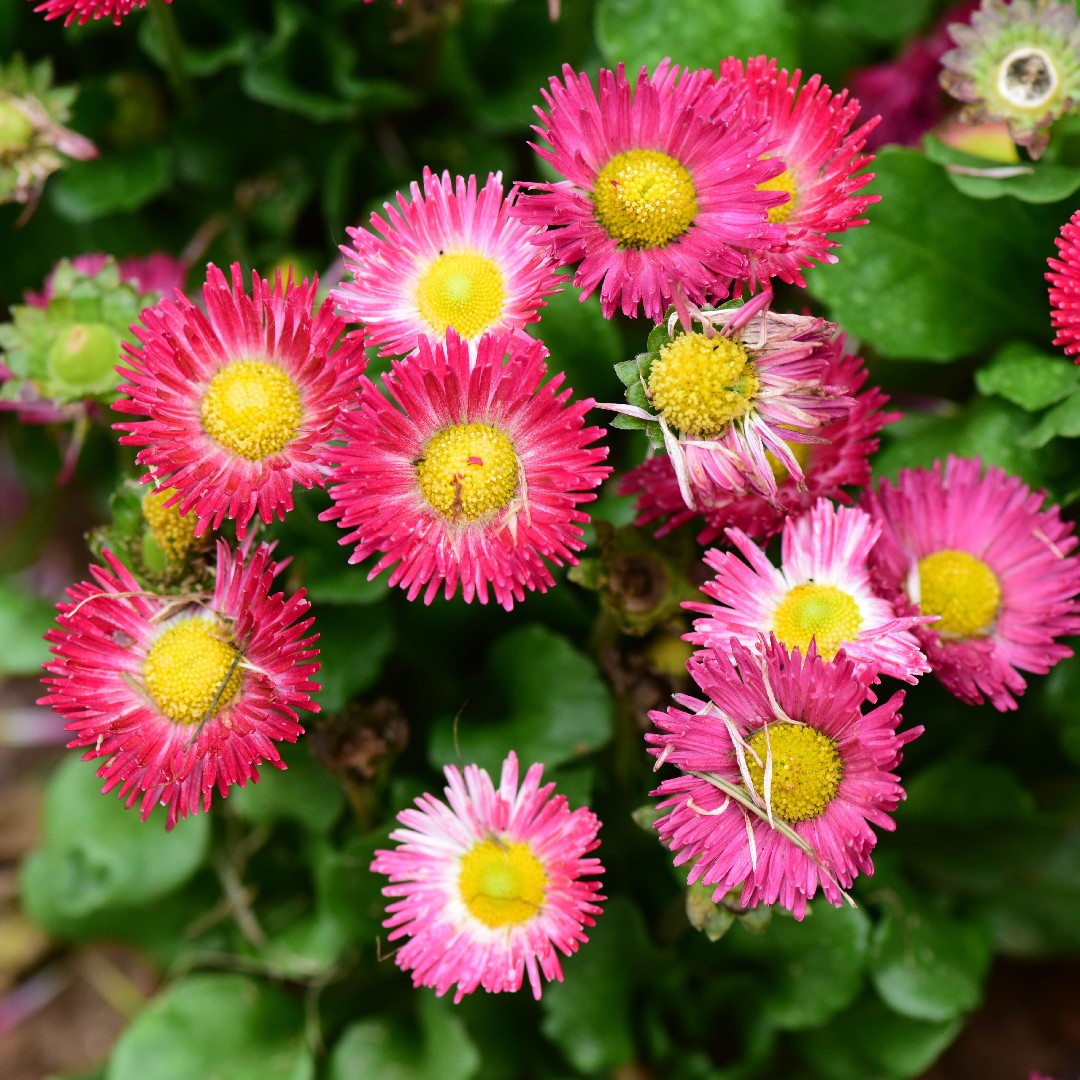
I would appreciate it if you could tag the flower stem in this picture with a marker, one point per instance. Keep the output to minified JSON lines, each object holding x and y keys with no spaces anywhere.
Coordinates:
{"x":171,"y":42}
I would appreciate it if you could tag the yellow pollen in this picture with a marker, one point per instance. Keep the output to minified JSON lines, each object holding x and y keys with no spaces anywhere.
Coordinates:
{"x":463,"y":290}
{"x":782,"y":182}
{"x":644,"y":199}
{"x":823,"y":612}
{"x":174,"y":534}
{"x":252,"y":408}
{"x":960,"y":588}
{"x":806,"y":769}
{"x":190,"y":668}
{"x":800,"y":451}
{"x":700,"y":384}
{"x":502,"y":883}
{"x":467,"y":471}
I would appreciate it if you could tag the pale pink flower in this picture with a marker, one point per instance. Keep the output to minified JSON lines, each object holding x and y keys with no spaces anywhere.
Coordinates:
{"x":492,"y":884}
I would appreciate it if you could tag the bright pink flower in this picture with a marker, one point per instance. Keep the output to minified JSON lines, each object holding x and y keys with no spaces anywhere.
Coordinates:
{"x":841,"y":459}
{"x":724,"y":399}
{"x":83,"y":11}
{"x":822,"y":592}
{"x":492,"y":884}
{"x":155,"y":273}
{"x":182,"y":694}
{"x":471,"y":476}
{"x":980,"y":552}
{"x":662,"y":186}
{"x":449,"y":256}
{"x":783,"y":774}
{"x":1065,"y":287}
{"x":242,"y":400}
{"x":809,"y":129}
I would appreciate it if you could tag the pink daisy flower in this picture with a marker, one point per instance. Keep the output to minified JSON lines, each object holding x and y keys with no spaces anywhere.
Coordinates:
{"x":809,"y":129}
{"x":155,"y":273}
{"x":822,"y":593}
{"x":471,"y":476}
{"x":449,"y":257}
{"x":839,"y":459}
{"x":242,"y":400}
{"x":182,"y":694}
{"x":492,"y":884}
{"x":1065,"y":287}
{"x":980,"y":554}
{"x":783,"y":774}
{"x":723,"y":398}
{"x":662,"y":188}
{"x":82,"y":11}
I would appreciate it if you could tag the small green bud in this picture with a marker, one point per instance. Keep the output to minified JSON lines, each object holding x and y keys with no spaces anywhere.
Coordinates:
{"x":83,"y":359}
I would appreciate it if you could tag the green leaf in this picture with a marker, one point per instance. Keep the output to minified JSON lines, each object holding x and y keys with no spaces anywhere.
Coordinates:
{"x":305,"y":792}
{"x":695,"y":33}
{"x":816,"y":966}
{"x":1036,"y":182}
{"x":346,"y":888}
{"x":936,"y":276}
{"x":353,"y":644}
{"x":389,"y":1049}
{"x":885,"y":22}
{"x":1062,"y":419}
{"x":555,"y":706}
{"x":871,"y":1042}
{"x":1028,"y":377}
{"x":589,"y":1016}
{"x":99,"y":865}
{"x":215,"y":1026}
{"x":123,"y":180}
{"x":24,"y":618}
{"x":928,"y":966}
{"x":963,"y":792}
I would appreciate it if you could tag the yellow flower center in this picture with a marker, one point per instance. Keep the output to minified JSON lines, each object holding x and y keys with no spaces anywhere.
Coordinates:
{"x":700,"y":384}
{"x":960,"y":588}
{"x":806,"y":769}
{"x":644,"y":198}
{"x":463,"y":290}
{"x":252,"y":408}
{"x":191,"y":671}
{"x":823,"y":612}
{"x":501,"y":883}
{"x":172,"y":533}
{"x":467,"y":471}
{"x":782,"y":182}
{"x":1027,"y":78}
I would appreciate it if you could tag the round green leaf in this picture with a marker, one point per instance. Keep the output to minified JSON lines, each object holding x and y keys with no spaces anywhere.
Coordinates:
{"x":98,"y":863}
{"x":557,"y":706}
{"x":1027,"y":377}
{"x":928,"y":966}
{"x":123,"y":180}
{"x":210,"y":1026}
{"x":696,"y":33}
{"x":389,"y":1049}
{"x":936,"y":275}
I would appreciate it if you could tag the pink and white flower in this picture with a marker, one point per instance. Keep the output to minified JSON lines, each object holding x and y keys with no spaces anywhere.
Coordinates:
{"x":492,"y":884}
{"x":179,"y":695}
{"x":822,"y":592}
{"x":662,"y":191}
{"x":448,"y":256}
{"x":470,"y":475}
{"x":242,"y":400}
{"x":782,"y":774}
{"x":979,"y":551}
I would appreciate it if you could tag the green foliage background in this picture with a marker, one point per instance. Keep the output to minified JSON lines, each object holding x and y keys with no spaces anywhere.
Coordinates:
{"x":257,"y":134}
